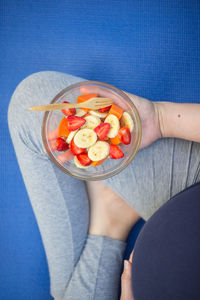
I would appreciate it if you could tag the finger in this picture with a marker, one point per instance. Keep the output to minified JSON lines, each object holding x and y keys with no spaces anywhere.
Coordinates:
{"x":126,"y":282}
{"x":104,"y":93}
{"x":131,"y":257}
{"x":53,"y":145}
{"x":51,"y":135}
{"x":90,"y":90}
{"x":62,"y":158}
{"x":101,"y":92}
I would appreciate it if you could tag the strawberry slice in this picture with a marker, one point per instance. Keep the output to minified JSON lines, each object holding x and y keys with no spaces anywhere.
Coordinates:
{"x":68,"y":111}
{"x":102,"y":130}
{"x":84,"y":159}
{"x":124,"y":135}
{"x":75,"y":122}
{"x":74,"y":149}
{"x":104,"y":109}
{"x":115,"y":152}
{"x":61,"y":144}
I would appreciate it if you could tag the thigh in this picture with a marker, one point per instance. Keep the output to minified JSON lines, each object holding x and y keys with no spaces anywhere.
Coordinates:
{"x":157,"y":173}
{"x":59,"y":201}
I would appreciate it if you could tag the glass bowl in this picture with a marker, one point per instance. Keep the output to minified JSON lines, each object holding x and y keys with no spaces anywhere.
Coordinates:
{"x":110,"y":167}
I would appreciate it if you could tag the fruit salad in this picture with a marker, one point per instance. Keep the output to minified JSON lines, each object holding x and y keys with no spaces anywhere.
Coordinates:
{"x":94,"y":135}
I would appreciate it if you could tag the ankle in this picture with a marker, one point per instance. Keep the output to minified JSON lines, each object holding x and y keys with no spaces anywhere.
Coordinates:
{"x":105,"y":224}
{"x":110,"y":215}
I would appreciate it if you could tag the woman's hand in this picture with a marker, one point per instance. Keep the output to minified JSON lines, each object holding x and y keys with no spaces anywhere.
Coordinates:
{"x":126,"y":280}
{"x":148,"y":111}
{"x":149,"y":116}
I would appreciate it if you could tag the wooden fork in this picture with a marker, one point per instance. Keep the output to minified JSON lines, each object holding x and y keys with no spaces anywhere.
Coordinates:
{"x":93,"y":103}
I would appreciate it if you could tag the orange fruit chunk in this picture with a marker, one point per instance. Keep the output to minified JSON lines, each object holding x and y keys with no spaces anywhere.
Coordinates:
{"x":116,"y":140}
{"x":63,"y":128}
{"x":97,"y":163}
{"x":115,"y":110}
{"x":84,"y":98}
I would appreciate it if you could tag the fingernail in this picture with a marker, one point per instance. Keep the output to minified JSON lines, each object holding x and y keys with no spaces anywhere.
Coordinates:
{"x":126,"y":265}
{"x":131,"y":257}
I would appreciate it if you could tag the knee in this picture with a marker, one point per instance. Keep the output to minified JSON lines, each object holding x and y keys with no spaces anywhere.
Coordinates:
{"x":19,"y":97}
{"x":38,"y":88}
{"x":26,"y":89}
{"x":20,"y":120}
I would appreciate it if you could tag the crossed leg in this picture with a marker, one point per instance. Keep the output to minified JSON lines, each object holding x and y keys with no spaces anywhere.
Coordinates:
{"x":82,"y":265}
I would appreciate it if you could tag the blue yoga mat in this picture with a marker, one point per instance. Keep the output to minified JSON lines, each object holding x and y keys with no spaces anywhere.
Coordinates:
{"x":149,"y":48}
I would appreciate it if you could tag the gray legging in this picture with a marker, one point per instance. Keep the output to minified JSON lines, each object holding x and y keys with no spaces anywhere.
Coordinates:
{"x":83,"y":266}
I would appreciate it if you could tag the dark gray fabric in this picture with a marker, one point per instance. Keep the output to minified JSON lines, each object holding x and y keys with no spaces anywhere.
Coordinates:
{"x":166,"y":261}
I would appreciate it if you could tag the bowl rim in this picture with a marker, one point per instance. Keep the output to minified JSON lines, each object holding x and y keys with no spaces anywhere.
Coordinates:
{"x":102,"y":176}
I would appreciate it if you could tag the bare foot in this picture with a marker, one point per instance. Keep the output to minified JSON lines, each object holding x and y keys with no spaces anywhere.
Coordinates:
{"x":110,"y":215}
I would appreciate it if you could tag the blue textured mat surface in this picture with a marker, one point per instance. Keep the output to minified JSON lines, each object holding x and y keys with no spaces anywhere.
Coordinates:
{"x":150,"y":48}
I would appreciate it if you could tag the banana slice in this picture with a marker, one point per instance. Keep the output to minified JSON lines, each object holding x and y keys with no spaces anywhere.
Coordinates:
{"x":91,"y":122}
{"x":98,"y":114}
{"x":70,"y":136}
{"x":85,"y":138}
{"x":126,"y":120}
{"x":78,"y":164}
{"x":114,"y":125}
{"x":98,"y":151}
{"x":80,"y":112}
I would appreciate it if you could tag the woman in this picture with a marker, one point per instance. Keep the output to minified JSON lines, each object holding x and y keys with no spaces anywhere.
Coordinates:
{"x":166,"y":260}
{"x":85,"y":251}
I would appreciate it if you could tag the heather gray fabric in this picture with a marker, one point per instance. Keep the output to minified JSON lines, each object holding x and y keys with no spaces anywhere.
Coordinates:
{"x":83,"y":266}
{"x":157,"y":173}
